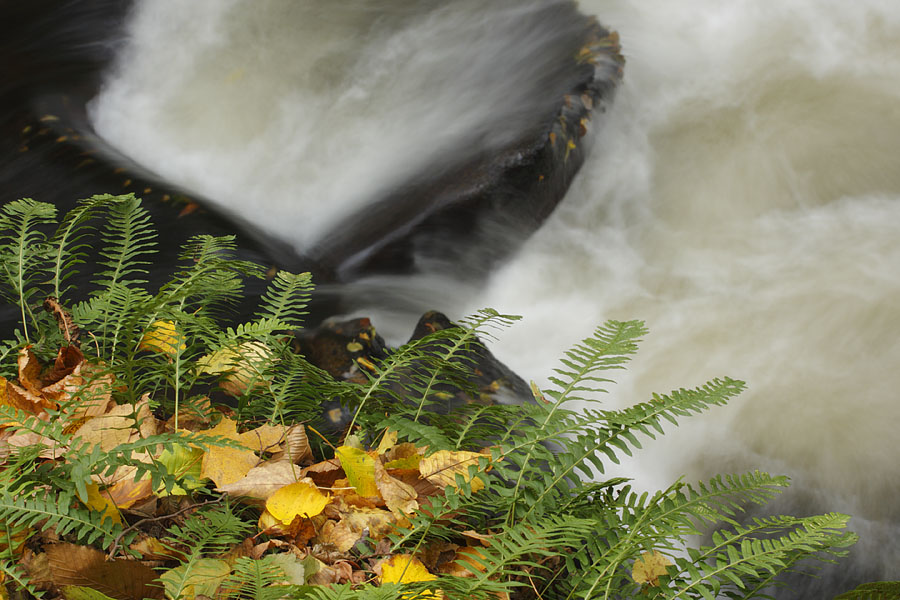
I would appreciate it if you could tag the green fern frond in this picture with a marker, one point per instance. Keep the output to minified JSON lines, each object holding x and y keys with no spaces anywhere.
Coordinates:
{"x":23,"y":253}
{"x":59,"y":512}
{"x":70,"y":244}
{"x":878,"y":590}
{"x":738,"y":559}
{"x":262,"y":579}
{"x":610,"y":347}
{"x":285,"y":299}
{"x":206,"y":532}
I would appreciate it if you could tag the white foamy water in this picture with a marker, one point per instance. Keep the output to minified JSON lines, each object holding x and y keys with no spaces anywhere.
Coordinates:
{"x":292,"y":115}
{"x":743,"y":198}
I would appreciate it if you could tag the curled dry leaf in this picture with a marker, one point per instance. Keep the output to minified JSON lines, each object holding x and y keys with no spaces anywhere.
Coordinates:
{"x":296,"y":444}
{"x":29,"y":371}
{"x":264,"y":480}
{"x":399,"y":497}
{"x":67,"y":326}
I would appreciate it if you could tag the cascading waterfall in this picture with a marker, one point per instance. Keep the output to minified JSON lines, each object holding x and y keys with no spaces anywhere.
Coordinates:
{"x":743,"y":198}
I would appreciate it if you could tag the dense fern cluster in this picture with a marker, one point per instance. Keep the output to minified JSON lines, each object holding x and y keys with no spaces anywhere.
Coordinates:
{"x":556,"y":529}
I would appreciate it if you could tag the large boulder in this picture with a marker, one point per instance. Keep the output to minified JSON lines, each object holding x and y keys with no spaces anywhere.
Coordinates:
{"x":469,"y":212}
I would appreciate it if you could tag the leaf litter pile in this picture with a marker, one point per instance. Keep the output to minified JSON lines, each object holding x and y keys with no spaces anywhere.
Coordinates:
{"x":321,"y":521}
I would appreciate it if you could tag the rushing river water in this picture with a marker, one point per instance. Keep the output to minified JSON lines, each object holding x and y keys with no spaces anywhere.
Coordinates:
{"x":743,"y":198}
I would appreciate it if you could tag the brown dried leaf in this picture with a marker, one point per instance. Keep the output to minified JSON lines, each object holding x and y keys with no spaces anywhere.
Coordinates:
{"x":296,"y":444}
{"x":120,"y":579}
{"x":22,"y":399}
{"x":128,"y":492}
{"x":340,"y":572}
{"x":399,"y":497}
{"x":29,"y":371}
{"x":264,"y":480}
{"x":67,"y":360}
{"x":264,"y":438}
{"x":88,"y":387}
{"x":118,"y":426}
{"x":63,"y":319}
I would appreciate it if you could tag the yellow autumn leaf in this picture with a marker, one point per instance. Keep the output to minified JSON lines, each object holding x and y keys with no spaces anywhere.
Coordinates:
{"x":184,"y":462}
{"x":264,"y":438}
{"x":360,"y":470}
{"x":388,"y":441}
{"x":244,"y":365}
{"x":404,"y":568}
{"x":297,"y":499}
{"x":162,"y":336}
{"x":442,"y":467}
{"x":101,"y":502}
{"x":226,"y":464}
{"x":649,"y":567}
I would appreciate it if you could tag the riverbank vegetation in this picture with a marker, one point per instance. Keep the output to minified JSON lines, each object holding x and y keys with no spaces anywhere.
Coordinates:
{"x":152,"y":449}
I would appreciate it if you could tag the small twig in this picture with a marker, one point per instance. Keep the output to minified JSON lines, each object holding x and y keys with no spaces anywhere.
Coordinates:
{"x":115,"y":545}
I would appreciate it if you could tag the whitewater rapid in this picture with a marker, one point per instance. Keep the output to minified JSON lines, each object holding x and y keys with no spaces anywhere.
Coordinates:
{"x":743,"y":198}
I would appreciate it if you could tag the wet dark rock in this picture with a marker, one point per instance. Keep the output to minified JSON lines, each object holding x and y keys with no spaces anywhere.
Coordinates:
{"x":461,"y":217}
{"x":349,"y":349}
